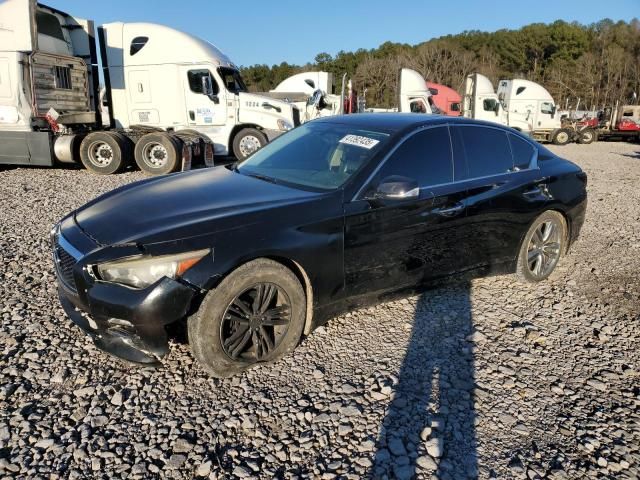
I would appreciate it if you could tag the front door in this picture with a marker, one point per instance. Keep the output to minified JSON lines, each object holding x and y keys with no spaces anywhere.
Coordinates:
{"x":403,"y":243}
{"x":203,"y":111}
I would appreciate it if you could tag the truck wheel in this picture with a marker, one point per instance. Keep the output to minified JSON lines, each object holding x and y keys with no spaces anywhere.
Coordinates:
{"x":104,"y":152}
{"x":562,"y":136}
{"x":248,"y":141}
{"x":158,"y":153}
{"x":586,"y":136}
{"x":255,"y":315}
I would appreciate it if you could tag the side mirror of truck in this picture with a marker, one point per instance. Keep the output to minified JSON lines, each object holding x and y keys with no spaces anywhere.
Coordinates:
{"x":207,"y":89}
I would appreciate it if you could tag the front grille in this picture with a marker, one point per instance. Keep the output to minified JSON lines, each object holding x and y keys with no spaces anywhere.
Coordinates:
{"x":296,"y":117}
{"x":64,"y":265}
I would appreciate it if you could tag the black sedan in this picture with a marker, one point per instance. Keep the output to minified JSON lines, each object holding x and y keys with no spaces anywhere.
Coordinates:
{"x":338,"y":213}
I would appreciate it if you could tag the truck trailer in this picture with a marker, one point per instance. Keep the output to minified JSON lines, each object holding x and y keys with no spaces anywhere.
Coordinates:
{"x":170,"y":97}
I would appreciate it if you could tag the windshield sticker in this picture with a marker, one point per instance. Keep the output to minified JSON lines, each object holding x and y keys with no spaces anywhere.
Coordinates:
{"x":359,"y":141}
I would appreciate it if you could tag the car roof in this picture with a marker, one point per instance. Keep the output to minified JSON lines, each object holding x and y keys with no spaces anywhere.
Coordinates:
{"x":401,"y":122}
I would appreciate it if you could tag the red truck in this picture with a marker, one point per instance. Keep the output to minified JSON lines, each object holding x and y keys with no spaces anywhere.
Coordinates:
{"x":448,"y":101}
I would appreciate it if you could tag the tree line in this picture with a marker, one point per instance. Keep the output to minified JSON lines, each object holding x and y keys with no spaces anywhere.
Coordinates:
{"x":598,"y":63}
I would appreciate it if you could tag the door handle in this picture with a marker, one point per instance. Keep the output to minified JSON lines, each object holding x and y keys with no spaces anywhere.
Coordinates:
{"x":450,"y":211}
{"x":192,"y":115}
{"x":532,"y":192}
{"x":538,"y":190}
{"x":267,"y":105}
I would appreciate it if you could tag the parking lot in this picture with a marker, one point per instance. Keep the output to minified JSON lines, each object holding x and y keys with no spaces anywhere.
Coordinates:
{"x":488,"y":379}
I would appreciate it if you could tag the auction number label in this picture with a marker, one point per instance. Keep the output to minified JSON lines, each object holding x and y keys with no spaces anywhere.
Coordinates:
{"x":360,"y":141}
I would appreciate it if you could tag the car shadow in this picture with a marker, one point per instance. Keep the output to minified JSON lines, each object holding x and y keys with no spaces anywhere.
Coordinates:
{"x":635,"y":155}
{"x":429,"y":426}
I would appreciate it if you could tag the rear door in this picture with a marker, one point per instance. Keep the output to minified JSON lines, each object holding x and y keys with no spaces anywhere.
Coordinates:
{"x":403,"y":243}
{"x":505,"y":190}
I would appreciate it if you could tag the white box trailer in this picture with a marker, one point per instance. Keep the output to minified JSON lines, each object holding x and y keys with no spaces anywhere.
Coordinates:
{"x":171,"y":97}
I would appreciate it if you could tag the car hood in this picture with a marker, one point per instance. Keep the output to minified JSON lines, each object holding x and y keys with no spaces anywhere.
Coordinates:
{"x":179,"y":206}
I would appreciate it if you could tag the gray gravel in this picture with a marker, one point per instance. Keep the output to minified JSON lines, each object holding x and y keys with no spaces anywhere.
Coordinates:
{"x":492,"y":379}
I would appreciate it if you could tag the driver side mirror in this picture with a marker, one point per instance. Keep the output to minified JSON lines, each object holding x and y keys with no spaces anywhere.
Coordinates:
{"x":395,"y":188}
{"x":207,"y":89}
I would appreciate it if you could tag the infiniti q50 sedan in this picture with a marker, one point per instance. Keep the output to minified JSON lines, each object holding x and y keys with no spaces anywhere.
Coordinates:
{"x":337,"y":213}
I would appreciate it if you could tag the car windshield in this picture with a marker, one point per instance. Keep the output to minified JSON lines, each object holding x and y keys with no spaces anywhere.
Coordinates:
{"x":316,"y":155}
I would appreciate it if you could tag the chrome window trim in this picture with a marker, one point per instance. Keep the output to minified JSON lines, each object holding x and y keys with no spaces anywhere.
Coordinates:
{"x":533,"y":164}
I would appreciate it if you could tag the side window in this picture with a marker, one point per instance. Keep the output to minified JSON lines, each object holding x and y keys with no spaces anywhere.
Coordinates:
{"x":195,"y":81}
{"x":547,"y":107}
{"x":455,"y":107}
{"x":417,"y":106}
{"x":48,"y":24}
{"x":137,"y":44}
{"x":489,"y":104}
{"x":487,"y":151}
{"x":522,"y":152}
{"x":425,"y":157}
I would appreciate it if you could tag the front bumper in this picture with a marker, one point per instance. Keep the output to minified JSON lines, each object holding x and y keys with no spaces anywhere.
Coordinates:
{"x":125,"y":322}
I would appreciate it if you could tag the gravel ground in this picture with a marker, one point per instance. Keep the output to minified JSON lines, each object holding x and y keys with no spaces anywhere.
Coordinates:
{"x":491,"y":379}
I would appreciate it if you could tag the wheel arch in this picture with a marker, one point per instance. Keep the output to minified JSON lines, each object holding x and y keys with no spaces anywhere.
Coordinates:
{"x":303,"y":277}
{"x":294,"y":266}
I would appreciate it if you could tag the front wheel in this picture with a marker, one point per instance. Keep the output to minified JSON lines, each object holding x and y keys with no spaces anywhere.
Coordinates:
{"x":562,"y":136}
{"x":542,"y":247}
{"x":247,"y":142}
{"x":256,"y":315}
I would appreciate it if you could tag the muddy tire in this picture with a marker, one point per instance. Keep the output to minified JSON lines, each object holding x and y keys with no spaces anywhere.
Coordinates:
{"x":256,"y":315}
{"x":562,"y":136}
{"x":587,"y":136}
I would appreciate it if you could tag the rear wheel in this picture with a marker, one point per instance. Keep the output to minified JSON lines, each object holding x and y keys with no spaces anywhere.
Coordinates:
{"x":158,"y":153}
{"x":247,"y":142}
{"x":586,"y":136}
{"x":256,"y":315}
{"x":542,"y":247}
{"x":105,"y":152}
{"x":562,"y":136}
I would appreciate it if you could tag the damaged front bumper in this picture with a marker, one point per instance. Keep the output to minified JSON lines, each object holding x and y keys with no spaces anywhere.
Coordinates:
{"x":125,"y":322}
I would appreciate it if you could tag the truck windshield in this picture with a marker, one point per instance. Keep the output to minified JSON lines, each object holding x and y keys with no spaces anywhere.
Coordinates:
{"x":232,"y":80}
{"x":321,"y":156}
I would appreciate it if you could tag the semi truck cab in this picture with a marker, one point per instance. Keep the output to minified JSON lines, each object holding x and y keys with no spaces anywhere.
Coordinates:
{"x":168,"y":98}
{"x":159,"y":76}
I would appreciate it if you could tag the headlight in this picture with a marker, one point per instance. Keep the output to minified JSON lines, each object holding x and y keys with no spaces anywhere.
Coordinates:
{"x":284,"y":125}
{"x":141,"y":272}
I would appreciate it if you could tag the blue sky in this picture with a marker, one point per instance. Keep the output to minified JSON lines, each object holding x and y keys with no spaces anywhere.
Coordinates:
{"x":258,"y":31}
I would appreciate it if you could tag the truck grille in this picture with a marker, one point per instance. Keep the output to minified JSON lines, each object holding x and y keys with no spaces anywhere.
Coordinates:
{"x":64,"y":263}
{"x":296,"y":117}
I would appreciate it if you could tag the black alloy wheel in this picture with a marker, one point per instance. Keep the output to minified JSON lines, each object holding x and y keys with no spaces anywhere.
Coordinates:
{"x":255,"y":323}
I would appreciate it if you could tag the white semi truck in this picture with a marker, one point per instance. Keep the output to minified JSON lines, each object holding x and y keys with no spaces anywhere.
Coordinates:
{"x":312,"y":93}
{"x":169,"y":95}
{"x":520,"y":104}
